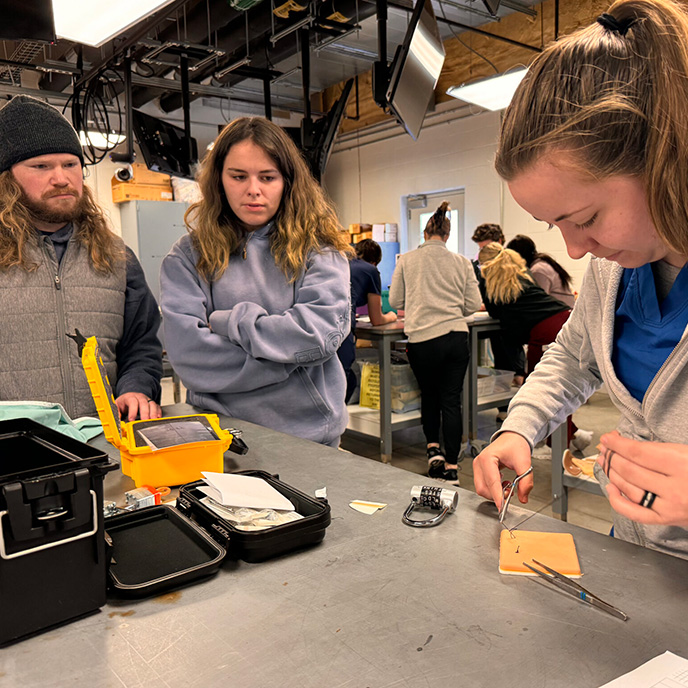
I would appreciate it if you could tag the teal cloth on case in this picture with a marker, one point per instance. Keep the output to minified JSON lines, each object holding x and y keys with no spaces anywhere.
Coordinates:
{"x":53,"y":416}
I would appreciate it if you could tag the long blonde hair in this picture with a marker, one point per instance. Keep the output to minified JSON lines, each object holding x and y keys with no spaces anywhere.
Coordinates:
{"x":305,"y":221}
{"x":504,"y":272}
{"x":615,"y":96}
{"x":17,"y":230}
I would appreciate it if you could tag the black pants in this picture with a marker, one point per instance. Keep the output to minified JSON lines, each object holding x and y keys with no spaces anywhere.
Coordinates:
{"x":440,"y":367}
{"x":347,"y":356}
{"x":508,"y":355}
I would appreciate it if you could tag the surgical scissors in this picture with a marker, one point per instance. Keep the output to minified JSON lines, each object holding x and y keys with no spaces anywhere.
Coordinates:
{"x":572,"y":588}
{"x":511,"y":487}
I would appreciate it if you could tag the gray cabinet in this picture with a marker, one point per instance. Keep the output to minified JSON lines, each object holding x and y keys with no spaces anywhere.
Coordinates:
{"x":150,"y":228}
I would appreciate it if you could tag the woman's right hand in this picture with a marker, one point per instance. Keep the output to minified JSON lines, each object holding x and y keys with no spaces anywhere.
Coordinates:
{"x":509,"y":450}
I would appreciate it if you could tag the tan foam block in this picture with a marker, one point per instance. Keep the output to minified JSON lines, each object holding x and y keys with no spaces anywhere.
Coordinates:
{"x":556,"y":550}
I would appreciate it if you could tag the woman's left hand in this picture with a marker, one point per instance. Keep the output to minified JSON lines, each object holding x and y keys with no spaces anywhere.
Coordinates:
{"x":637,"y":470}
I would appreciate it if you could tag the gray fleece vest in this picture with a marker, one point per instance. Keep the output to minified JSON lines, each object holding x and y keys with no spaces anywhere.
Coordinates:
{"x":38,"y":308}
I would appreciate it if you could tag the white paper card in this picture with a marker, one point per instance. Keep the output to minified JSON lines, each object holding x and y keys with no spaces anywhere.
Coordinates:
{"x":246,"y":490}
{"x":366,"y":507}
{"x":668,"y":670}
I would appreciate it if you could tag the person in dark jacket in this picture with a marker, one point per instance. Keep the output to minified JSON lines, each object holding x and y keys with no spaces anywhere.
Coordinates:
{"x":61,"y":268}
{"x":366,"y":290}
{"x":507,"y":355}
{"x":526,"y":313}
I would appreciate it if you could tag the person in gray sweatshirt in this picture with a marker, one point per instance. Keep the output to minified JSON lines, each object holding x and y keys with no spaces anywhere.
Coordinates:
{"x":595,"y":142}
{"x":437,"y":290}
{"x":255,"y":299}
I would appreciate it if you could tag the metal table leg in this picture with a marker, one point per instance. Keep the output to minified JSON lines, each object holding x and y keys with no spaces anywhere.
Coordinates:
{"x":385,"y":351}
{"x":560,"y":496}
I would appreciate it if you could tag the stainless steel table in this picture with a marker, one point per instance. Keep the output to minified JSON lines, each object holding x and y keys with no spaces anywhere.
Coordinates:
{"x":479,"y":327}
{"x":376,"y":604}
{"x":368,"y":421}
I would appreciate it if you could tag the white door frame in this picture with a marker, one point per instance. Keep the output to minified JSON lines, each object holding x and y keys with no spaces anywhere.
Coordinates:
{"x":403,"y":235}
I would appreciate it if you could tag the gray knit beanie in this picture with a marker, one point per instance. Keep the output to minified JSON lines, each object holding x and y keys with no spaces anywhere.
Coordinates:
{"x":29,"y":127}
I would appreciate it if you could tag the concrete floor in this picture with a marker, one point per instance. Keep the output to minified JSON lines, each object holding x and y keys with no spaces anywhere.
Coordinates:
{"x":585,"y":509}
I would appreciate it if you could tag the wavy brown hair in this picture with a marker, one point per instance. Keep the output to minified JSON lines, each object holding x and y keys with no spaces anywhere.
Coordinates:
{"x":17,"y":230}
{"x":504,"y":271}
{"x":305,"y":220}
{"x":439,"y":224}
{"x":616,"y":102}
{"x":489,"y":231}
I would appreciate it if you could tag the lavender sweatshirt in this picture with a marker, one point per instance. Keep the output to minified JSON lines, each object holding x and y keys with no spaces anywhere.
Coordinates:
{"x":252,"y":346}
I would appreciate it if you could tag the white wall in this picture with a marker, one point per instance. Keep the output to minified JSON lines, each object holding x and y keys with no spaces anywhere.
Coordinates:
{"x":99,"y":180}
{"x":456,"y":154}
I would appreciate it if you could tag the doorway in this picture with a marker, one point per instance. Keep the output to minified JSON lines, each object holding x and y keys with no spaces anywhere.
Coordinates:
{"x":419,"y":209}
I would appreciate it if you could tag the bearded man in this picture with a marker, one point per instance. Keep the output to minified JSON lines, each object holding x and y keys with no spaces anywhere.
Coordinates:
{"x":61,"y":268}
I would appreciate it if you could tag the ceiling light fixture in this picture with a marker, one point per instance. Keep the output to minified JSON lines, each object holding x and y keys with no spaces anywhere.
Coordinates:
{"x":95,"y":23}
{"x":493,"y":93}
{"x":99,"y":140}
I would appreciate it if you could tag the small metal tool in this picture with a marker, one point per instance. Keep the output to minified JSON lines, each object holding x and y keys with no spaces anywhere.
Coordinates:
{"x":509,"y":490}
{"x":572,"y":588}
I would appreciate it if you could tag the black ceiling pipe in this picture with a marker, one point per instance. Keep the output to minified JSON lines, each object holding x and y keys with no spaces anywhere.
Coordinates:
{"x":232,"y":39}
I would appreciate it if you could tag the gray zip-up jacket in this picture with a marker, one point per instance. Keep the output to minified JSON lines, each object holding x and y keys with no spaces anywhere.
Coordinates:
{"x":269,"y":355}
{"x":575,"y":366}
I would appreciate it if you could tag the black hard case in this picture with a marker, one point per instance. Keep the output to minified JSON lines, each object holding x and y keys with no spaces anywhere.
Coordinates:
{"x":52,"y":547}
{"x":254,"y":546}
{"x":156,"y":549}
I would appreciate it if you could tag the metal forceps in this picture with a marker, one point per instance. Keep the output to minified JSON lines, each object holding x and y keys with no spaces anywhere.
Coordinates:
{"x":572,"y":588}
{"x":509,"y":489}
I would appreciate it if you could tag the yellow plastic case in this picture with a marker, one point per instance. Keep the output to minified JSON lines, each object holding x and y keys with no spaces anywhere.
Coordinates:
{"x":175,"y":465}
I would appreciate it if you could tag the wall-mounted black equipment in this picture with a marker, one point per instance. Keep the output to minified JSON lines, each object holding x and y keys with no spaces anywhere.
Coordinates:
{"x":164,"y":146}
{"x":415,"y":69}
{"x":492,"y":6}
{"x":316,"y":139}
{"x":30,"y":20}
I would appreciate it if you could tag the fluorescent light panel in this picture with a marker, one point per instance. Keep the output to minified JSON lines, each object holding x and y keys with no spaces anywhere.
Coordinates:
{"x":493,"y":93}
{"x":95,"y":23}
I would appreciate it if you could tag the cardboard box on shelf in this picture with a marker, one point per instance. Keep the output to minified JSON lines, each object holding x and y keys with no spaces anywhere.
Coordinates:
{"x":360,"y":237}
{"x":128,"y":191}
{"x":378,"y":233}
{"x":143,"y":186}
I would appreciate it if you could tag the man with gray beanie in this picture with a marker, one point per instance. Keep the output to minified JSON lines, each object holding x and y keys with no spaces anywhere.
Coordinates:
{"x":61,"y":269}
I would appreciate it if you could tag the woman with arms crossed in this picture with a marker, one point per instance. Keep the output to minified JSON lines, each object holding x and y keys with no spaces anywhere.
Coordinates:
{"x":255,"y":298}
{"x":595,"y":142}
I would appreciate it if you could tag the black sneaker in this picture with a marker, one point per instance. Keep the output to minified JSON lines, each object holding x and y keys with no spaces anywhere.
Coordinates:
{"x":437,"y":470}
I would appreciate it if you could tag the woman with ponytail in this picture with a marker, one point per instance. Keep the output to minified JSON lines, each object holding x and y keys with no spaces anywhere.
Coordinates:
{"x":437,"y":290}
{"x":595,"y":142}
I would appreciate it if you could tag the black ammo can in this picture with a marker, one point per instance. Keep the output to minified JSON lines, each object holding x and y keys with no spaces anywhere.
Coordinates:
{"x":52,"y":546}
